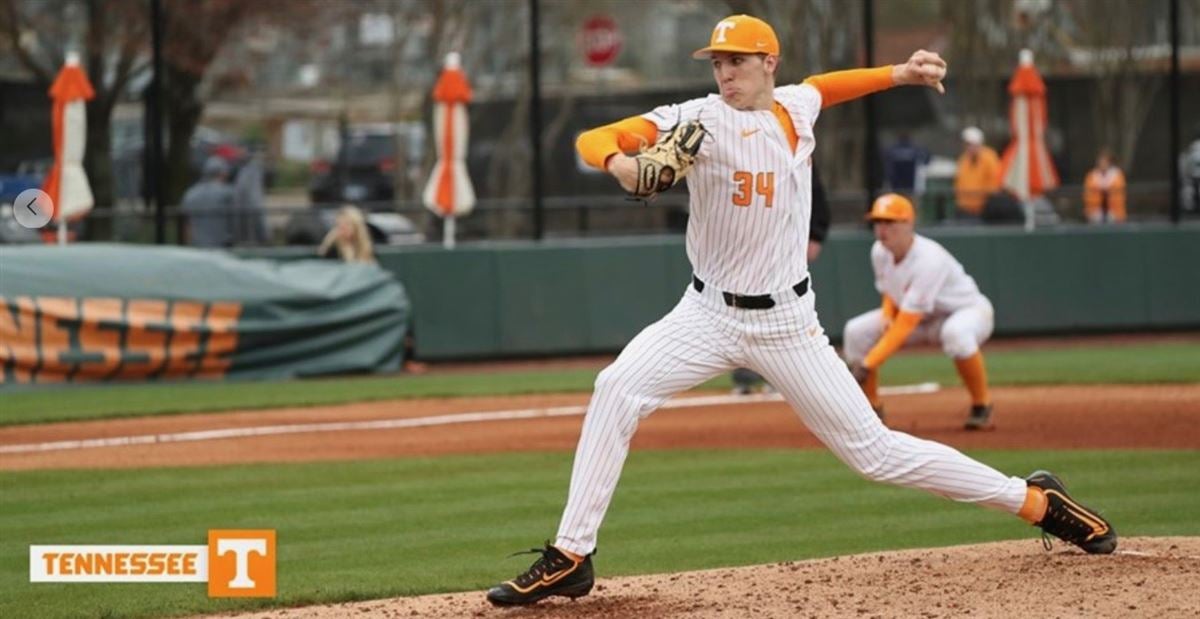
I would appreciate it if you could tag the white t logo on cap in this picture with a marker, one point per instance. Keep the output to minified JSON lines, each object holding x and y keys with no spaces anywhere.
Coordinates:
{"x":720,"y":31}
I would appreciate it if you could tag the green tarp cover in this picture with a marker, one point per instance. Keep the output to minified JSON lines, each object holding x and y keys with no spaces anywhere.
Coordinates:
{"x":127,"y":312}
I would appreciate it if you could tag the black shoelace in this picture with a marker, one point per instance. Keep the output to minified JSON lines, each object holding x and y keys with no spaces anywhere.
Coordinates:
{"x":1064,"y":525}
{"x":551,"y":560}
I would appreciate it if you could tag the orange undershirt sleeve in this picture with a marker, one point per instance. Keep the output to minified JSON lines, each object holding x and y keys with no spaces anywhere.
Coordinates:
{"x":842,"y":86}
{"x":595,"y":146}
{"x":889,"y":308}
{"x":892,"y":339}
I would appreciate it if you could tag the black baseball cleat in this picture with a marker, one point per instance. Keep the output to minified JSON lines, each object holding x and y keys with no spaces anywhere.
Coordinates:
{"x":1069,"y":521}
{"x":980,"y":418}
{"x":553,"y":574}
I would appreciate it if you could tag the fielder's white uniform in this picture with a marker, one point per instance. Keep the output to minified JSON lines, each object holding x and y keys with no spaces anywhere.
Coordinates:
{"x":754,"y":249}
{"x":928,"y":281}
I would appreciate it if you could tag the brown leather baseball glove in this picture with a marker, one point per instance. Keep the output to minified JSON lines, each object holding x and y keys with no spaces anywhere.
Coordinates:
{"x":663,"y":164}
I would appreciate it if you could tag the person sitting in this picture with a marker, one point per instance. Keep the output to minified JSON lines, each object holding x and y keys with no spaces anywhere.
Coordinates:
{"x":1104,"y":191}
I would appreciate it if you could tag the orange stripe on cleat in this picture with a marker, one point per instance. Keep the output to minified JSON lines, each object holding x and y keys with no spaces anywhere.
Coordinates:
{"x":545,"y":582}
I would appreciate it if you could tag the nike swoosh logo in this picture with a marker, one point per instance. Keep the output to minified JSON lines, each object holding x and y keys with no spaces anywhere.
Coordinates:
{"x":546,"y":580}
{"x":748,"y":132}
{"x":812,"y":332}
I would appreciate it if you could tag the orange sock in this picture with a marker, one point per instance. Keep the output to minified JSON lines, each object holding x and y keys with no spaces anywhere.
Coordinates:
{"x":871,"y":388}
{"x":1034,"y":508}
{"x":974,"y":376}
{"x":570,"y":555}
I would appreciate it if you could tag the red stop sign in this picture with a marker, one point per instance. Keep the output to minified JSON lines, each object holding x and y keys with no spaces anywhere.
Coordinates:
{"x":601,"y":40}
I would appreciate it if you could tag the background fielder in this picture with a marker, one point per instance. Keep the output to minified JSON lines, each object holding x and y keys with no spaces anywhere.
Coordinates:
{"x":927,"y":296}
{"x":749,"y":304}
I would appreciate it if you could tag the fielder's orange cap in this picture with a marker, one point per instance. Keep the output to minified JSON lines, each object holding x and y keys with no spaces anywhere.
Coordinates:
{"x":741,"y":34}
{"x":891,"y":207}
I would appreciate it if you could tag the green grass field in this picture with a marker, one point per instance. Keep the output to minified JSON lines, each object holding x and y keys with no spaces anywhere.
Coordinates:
{"x":1146,"y":363}
{"x":372,"y":529}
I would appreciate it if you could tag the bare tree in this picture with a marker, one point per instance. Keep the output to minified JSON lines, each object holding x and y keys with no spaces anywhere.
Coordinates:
{"x":511,"y":169}
{"x":1106,"y":39}
{"x":982,"y":50}
{"x":116,"y":41}
{"x":38,"y":32}
{"x":1127,"y":73}
{"x":196,"y":32}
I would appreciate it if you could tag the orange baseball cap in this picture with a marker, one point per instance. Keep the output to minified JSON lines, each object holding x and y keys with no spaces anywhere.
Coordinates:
{"x":741,"y":34}
{"x":891,"y":207}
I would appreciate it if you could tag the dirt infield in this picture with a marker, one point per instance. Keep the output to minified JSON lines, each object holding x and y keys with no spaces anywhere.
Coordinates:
{"x":1065,"y":417}
{"x":1148,"y":577}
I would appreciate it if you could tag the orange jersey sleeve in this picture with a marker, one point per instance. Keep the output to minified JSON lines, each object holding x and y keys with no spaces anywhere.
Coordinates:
{"x":624,"y":136}
{"x":842,"y":86}
{"x":892,"y":339}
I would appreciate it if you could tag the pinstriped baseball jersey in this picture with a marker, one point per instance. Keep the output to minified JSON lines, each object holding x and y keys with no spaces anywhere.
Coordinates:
{"x":750,"y":196}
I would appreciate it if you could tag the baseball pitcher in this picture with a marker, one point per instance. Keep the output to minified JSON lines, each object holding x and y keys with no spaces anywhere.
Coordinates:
{"x":746,"y":155}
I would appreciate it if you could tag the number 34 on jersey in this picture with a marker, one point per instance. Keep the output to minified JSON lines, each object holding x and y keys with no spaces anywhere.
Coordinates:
{"x":748,"y":184}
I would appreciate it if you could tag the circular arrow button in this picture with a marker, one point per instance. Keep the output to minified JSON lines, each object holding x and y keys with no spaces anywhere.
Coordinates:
{"x":33,"y":208}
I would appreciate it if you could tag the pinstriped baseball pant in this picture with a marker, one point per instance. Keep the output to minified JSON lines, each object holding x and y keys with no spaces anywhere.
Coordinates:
{"x":702,"y":338}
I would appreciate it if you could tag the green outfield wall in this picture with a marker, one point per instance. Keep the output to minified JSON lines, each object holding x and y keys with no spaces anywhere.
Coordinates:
{"x":593,"y":295}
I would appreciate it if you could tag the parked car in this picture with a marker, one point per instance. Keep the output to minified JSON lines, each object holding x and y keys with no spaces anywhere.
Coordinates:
{"x":128,"y":147}
{"x":363,"y":170}
{"x":28,"y":175}
{"x":11,"y":231}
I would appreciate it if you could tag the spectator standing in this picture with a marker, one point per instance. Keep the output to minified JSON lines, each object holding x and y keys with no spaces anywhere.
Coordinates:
{"x":903,"y":160}
{"x":978,"y":174}
{"x":251,"y":217}
{"x":209,"y":207}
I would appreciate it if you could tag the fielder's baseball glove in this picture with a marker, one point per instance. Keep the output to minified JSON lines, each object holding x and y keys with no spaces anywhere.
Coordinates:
{"x":662,"y":165}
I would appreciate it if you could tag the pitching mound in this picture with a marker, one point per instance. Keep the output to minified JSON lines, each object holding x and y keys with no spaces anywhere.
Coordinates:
{"x":1147,"y":577}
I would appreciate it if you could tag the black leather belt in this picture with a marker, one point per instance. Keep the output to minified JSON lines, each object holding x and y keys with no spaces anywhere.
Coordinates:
{"x":751,"y":301}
